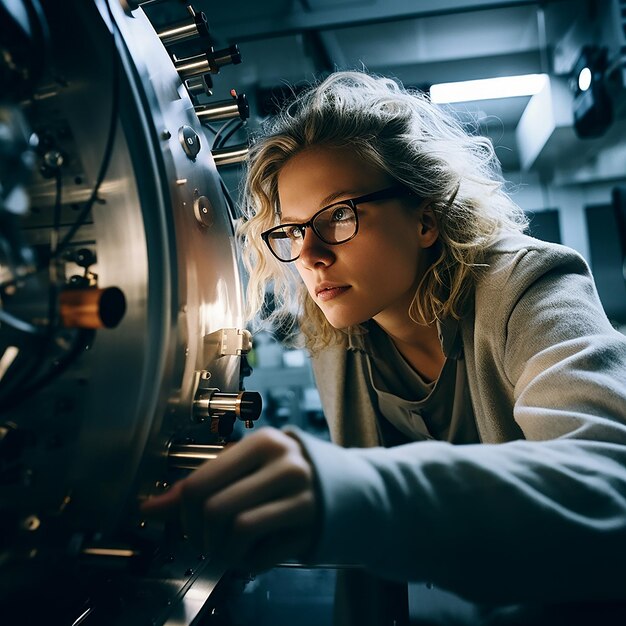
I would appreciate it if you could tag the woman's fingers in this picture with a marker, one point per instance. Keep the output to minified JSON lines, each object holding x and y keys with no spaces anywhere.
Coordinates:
{"x":268,"y":533}
{"x":238,"y":460}
{"x":164,"y":505}
{"x":284,"y":475}
{"x":256,"y":492}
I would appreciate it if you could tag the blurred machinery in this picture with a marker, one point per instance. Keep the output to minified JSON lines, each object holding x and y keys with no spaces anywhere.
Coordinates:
{"x":122,"y":347}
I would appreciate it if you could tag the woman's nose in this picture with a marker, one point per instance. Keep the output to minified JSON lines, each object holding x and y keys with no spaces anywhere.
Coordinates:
{"x":314,"y":251}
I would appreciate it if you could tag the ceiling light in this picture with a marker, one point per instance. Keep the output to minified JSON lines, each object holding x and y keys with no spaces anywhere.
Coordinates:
{"x":488,"y":88}
{"x":592,"y":106}
{"x":584,"y":79}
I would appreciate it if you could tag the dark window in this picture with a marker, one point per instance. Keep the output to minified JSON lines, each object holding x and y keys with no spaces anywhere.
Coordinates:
{"x":607,"y":260}
{"x":544,"y":225}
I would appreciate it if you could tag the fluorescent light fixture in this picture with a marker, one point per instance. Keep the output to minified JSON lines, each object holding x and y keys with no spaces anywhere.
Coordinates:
{"x":488,"y":88}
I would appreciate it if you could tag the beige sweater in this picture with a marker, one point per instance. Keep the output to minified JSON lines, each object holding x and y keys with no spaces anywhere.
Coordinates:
{"x":537,"y":511}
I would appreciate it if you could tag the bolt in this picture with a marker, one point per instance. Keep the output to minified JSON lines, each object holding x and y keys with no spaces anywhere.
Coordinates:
{"x":165,"y":134}
{"x":31,"y":523}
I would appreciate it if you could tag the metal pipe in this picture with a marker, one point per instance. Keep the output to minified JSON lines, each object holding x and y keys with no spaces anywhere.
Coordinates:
{"x":195,"y":25}
{"x":210,"y":61}
{"x":192,"y":66}
{"x":92,"y":307}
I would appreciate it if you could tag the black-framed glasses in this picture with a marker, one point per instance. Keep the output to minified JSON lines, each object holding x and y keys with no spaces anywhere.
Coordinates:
{"x":334,"y":224}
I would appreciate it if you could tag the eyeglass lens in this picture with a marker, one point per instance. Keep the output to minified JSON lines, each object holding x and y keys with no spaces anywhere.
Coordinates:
{"x":333,"y":225}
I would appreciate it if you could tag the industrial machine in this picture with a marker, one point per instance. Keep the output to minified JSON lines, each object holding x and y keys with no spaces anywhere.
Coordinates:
{"x":122,"y":341}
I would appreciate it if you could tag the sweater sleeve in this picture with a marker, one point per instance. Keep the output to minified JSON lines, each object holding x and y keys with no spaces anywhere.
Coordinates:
{"x":522,"y":521}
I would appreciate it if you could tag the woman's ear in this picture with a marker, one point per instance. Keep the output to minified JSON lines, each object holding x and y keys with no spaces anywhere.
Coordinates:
{"x":428,"y":230}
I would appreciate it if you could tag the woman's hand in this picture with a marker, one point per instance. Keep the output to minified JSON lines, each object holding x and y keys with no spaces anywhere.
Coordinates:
{"x":252,"y":507}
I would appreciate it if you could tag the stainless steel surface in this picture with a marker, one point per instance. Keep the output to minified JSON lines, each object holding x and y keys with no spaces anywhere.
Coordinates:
{"x":80,"y":453}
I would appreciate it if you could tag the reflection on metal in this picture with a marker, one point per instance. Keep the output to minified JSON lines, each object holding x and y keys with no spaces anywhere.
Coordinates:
{"x":224,"y":109}
{"x":230,"y":155}
{"x":190,"y":456}
{"x":116,"y":553}
{"x":210,"y":61}
{"x":195,"y":25}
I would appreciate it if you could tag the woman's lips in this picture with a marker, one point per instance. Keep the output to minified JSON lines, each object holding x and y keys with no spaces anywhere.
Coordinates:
{"x":331,"y":293}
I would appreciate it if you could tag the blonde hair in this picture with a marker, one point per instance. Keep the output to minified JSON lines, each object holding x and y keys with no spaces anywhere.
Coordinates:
{"x":416,"y":143}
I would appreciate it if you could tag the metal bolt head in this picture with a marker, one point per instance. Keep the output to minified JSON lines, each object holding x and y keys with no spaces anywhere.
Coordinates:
{"x":203,"y":211}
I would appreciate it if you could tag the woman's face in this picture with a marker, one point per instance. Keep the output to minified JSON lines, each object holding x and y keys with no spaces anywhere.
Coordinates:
{"x":374,"y":275}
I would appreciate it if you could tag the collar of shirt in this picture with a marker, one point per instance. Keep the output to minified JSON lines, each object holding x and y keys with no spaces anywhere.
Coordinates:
{"x":448,"y":329}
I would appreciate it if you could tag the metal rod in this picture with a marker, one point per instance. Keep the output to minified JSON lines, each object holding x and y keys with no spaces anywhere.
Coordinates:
{"x":125,"y":553}
{"x":191,"y":456}
{"x":223,"y":110}
{"x":176,"y":33}
{"x":192,"y":66}
{"x":228,"y":156}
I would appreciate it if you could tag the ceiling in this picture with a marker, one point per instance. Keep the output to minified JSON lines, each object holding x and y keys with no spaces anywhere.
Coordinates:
{"x":421,"y":42}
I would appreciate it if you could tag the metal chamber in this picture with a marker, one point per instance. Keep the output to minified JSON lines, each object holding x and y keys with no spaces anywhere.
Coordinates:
{"x":81,"y":448}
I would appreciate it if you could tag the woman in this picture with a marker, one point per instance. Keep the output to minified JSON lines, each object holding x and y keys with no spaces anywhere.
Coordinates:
{"x":432,"y":321}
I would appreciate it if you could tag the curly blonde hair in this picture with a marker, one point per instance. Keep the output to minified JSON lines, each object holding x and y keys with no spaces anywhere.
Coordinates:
{"x":416,"y":143}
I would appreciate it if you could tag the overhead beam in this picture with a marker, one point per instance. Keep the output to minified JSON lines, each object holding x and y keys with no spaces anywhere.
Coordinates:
{"x":300,"y":20}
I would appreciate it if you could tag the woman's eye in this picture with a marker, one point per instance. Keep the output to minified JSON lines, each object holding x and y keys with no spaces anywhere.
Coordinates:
{"x":294,"y":232}
{"x":341,"y":214}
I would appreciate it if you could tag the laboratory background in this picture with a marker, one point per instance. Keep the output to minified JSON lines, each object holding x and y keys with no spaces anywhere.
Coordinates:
{"x":125,"y":357}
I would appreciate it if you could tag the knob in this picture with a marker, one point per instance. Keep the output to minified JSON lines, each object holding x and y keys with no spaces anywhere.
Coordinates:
{"x":196,"y":25}
{"x":237,"y":106}
{"x":228,"y":156}
{"x":245,"y":405}
{"x":210,"y":61}
{"x":189,"y":140}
